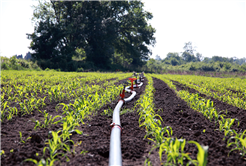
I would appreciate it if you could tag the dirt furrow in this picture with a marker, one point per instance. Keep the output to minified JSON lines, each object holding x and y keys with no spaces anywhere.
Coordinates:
{"x":10,"y":137}
{"x":232,"y":111}
{"x":134,"y":148}
{"x":189,"y":124}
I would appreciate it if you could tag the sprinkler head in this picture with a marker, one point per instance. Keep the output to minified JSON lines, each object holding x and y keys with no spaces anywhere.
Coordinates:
{"x":132,"y":79}
{"x":122,"y":94}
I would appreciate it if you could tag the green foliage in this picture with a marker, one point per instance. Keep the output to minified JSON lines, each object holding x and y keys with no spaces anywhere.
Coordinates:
{"x":173,"y":148}
{"x":205,"y":106}
{"x":80,"y":69}
{"x":90,"y":31}
{"x":2,"y":152}
{"x":239,"y":142}
{"x":22,"y":137}
{"x":18,"y":64}
{"x":202,"y":156}
{"x":188,"y":61}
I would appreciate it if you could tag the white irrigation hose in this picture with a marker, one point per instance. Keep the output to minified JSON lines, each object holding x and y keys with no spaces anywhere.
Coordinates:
{"x":131,"y":97}
{"x":138,"y":85}
{"x":140,"y":81}
{"x":115,"y":158}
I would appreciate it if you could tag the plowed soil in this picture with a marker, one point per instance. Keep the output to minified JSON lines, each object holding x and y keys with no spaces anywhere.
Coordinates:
{"x":227,"y":109}
{"x":134,"y":148}
{"x":10,"y":137}
{"x":189,"y":124}
{"x":94,"y":141}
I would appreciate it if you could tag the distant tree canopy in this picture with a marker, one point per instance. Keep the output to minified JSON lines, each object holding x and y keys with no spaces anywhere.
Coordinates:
{"x":188,"y":54}
{"x":191,"y":61}
{"x":99,"y":28}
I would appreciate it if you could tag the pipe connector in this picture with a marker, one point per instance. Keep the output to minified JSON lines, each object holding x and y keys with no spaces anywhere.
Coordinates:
{"x":112,"y":125}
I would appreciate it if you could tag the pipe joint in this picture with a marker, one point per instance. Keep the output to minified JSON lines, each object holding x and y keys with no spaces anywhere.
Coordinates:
{"x":121,"y":99}
{"x":112,"y":125}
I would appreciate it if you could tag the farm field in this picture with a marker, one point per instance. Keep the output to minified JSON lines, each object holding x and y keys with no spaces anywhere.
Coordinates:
{"x":61,"y":118}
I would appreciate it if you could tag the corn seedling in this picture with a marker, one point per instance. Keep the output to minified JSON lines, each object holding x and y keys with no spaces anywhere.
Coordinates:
{"x":225,"y":125}
{"x":174,"y":149}
{"x":22,"y":139}
{"x":2,"y":152}
{"x":240,"y":143}
{"x":42,"y":162}
{"x":202,"y":156}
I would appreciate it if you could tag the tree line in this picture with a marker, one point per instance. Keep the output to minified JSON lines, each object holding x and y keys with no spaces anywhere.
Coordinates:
{"x":189,"y":61}
{"x":108,"y":35}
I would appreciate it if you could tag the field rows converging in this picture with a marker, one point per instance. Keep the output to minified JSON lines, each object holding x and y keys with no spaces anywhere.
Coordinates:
{"x":63,"y":118}
{"x":39,"y":124}
{"x":229,"y":90}
{"x":192,"y":125}
{"x":19,"y":99}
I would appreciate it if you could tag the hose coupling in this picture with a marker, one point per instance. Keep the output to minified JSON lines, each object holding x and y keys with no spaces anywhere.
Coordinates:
{"x":112,"y":125}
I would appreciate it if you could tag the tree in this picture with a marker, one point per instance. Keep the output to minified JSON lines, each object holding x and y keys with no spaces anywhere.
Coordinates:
{"x":101,"y":28}
{"x":28,"y":56}
{"x":154,"y":65}
{"x":199,"y":57}
{"x":174,"y":61}
{"x":173,"y":58}
{"x":174,"y":55}
{"x":188,"y":48}
{"x":207,"y":60}
{"x":188,"y":54}
{"x":158,"y":58}
{"x":188,"y":57}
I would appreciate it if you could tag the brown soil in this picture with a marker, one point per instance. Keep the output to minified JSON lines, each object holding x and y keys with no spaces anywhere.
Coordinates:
{"x":189,"y":124}
{"x":95,"y":138}
{"x":10,"y":137}
{"x":232,"y":111}
{"x":134,"y":148}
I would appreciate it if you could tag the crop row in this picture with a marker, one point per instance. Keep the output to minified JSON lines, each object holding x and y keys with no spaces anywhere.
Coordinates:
{"x":231,"y":91}
{"x":74,"y":114}
{"x":236,"y":137}
{"x":32,"y":95}
{"x":88,"y":98}
{"x":162,"y":137}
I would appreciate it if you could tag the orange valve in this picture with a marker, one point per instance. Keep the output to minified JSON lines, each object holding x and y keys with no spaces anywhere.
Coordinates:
{"x":122,"y":95}
{"x":132,"y":79}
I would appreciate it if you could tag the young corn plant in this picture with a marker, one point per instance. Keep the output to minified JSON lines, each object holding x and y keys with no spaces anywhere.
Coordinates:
{"x":47,"y":121}
{"x":174,"y":149}
{"x":42,"y":162}
{"x":4,"y":107}
{"x":239,"y":142}
{"x":2,"y":97}
{"x":54,"y":145}
{"x":202,"y":155}
{"x":226,"y":124}
{"x":22,"y":139}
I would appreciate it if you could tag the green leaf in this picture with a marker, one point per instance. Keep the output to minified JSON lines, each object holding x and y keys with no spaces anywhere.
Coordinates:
{"x":78,"y":131}
{"x":202,"y":155}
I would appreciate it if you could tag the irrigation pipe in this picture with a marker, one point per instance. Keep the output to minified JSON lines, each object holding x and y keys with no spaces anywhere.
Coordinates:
{"x":115,"y":157}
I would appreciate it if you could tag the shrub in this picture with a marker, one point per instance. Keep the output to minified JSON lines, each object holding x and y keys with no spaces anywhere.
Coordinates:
{"x":80,"y":69}
{"x":13,"y":60}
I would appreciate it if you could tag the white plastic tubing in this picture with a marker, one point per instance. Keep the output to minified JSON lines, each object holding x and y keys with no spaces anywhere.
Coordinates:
{"x":115,"y":157}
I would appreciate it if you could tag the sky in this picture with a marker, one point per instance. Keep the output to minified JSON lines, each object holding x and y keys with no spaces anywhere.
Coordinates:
{"x":215,"y":27}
